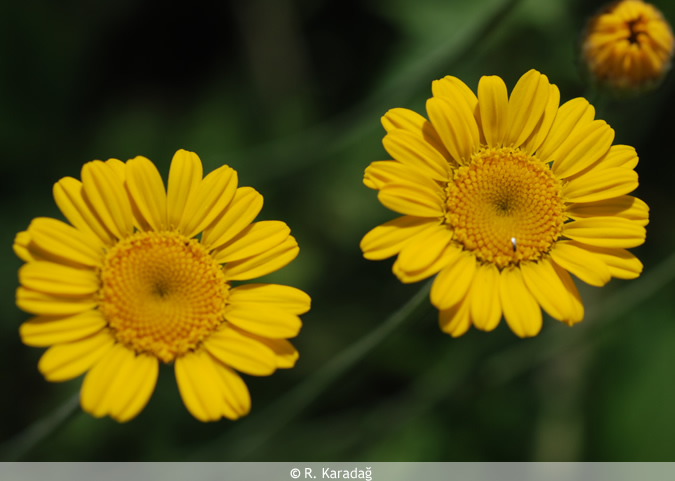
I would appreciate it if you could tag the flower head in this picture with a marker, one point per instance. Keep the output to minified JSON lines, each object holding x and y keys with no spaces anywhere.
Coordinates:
{"x":503,"y":197}
{"x":140,"y":275}
{"x":628,"y":46}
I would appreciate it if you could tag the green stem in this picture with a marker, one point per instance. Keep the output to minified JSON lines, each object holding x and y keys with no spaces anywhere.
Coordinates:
{"x":473,"y":366}
{"x":16,"y":448}
{"x":251,"y":433}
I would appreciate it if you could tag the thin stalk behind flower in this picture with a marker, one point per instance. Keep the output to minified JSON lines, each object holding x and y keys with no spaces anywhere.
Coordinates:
{"x":23,"y":443}
{"x":252,"y":433}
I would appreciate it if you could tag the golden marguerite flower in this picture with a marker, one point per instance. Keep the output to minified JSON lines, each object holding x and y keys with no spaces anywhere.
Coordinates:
{"x":628,"y":46}
{"x":503,"y":197}
{"x":142,"y":276}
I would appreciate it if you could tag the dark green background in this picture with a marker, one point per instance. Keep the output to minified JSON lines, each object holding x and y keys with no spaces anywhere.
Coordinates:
{"x":290,"y":93}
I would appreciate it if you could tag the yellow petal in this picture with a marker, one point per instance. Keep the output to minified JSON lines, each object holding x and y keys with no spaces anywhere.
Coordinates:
{"x":456,"y":125}
{"x":118,"y":167}
{"x":661,"y":36}
{"x":453,"y":282}
{"x":66,"y":361}
{"x":134,"y":392}
{"x":245,"y":207}
{"x":409,"y":121}
{"x":493,"y":100}
{"x":209,"y":389}
{"x":120,"y":384}
{"x":389,"y":238}
{"x":457,"y":319}
{"x":527,"y":104}
{"x":253,"y":240}
{"x":380,"y":173}
{"x":147,"y":192}
{"x":413,"y":199}
{"x":625,"y":206}
{"x":199,"y":387}
{"x":208,"y":200}
{"x":264,"y":320}
{"x":50,"y":305}
{"x":584,"y":146}
{"x":384,"y":172}
{"x":577,"y":305}
{"x":235,"y":349}
{"x":580,"y":262}
{"x":424,"y":251}
{"x":45,"y":331}
{"x":415,"y":152}
{"x":548,"y":289}
{"x":521,"y":311}
{"x":285,"y":355}
{"x":443,"y":259}
{"x":571,"y":115}
{"x":542,"y":129}
{"x":104,"y":190}
{"x":621,"y":263}
{"x":623,"y":156}
{"x":64,"y":243}
{"x":486,"y":310}
{"x":599,"y":185}
{"x":57,"y":279}
{"x":287,"y":298}
{"x":21,"y":246}
{"x":185,"y":174}
{"x":262,"y":264}
{"x":606,"y":232}
{"x":455,"y":90}
{"x":369,"y":182}
{"x":69,"y":196}
{"x":403,"y":119}
{"x":234,"y":389}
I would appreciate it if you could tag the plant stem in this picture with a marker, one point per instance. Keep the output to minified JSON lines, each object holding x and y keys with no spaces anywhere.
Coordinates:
{"x":16,"y":448}
{"x":251,"y":433}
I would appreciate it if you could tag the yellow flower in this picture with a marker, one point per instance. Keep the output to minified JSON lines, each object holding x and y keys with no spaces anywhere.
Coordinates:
{"x":131,"y":282}
{"x":628,"y":46}
{"x":503,"y":198}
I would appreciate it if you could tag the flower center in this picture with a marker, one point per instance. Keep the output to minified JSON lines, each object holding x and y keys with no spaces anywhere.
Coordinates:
{"x":636,"y":27}
{"x":162,"y":293}
{"x":505,"y":206}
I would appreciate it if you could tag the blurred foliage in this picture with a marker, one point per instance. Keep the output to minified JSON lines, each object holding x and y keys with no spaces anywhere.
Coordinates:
{"x":289,"y":93}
